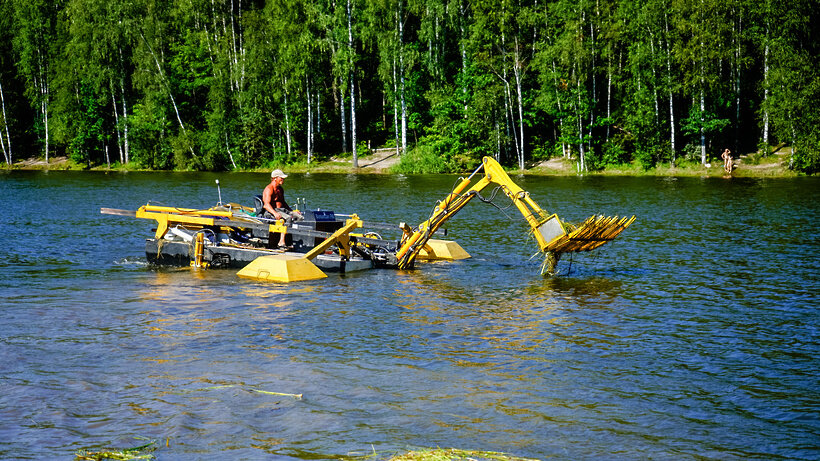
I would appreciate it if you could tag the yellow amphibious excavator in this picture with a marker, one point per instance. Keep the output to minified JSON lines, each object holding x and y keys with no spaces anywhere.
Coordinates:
{"x":233,"y":236}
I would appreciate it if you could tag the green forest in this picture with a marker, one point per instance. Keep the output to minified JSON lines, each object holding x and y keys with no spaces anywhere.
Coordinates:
{"x":245,"y":84}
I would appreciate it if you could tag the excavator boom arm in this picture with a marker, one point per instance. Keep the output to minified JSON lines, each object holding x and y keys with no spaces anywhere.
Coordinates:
{"x":552,"y":235}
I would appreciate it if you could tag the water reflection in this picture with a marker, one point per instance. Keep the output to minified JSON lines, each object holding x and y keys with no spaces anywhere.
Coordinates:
{"x":576,"y":287}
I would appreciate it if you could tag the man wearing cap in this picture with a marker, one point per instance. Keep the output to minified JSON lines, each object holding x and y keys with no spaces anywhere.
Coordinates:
{"x":273,"y":200}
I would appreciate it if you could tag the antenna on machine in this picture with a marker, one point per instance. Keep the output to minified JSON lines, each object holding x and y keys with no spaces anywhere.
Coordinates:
{"x":219,"y":191}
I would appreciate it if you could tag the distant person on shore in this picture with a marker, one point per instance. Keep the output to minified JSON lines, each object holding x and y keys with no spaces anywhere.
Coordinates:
{"x":727,"y":160}
{"x":273,"y":201}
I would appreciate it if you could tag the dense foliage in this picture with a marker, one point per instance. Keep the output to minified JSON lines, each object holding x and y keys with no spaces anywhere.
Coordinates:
{"x":225,"y":84}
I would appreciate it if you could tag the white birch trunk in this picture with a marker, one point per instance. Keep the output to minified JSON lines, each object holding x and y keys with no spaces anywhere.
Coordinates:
{"x":564,"y":150}
{"x":403,"y":115}
{"x":396,"y":111}
{"x":766,"y":88}
{"x":214,"y":23}
{"x":353,"y":123}
{"x":116,"y":121}
{"x":736,"y":65}
{"x":6,"y":155}
{"x":507,"y":122}
{"x":594,"y":84}
{"x":669,"y":84}
{"x":608,"y":98}
{"x":44,"y":107}
{"x":343,"y":113}
{"x":511,"y":121}
{"x":463,"y":49}
{"x":702,"y":98}
{"x":170,"y":93}
{"x":309,"y":125}
{"x":7,"y":144}
{"x":654,"y":78}
{"x":42,"y":85}
{"x":233,"y":54}
{"x":497,"y":142}
{"x":581,"y":151}
{"x":401,"y":75}
{"x":124,"y":115}
{"x":437,"y":66}
{"x":508,"y":103}
{"x":287,"y":120}
{"x":672,"y":127}
{"x":125,"y":124}
{"x":518,"y":77}
{"x":702,"y":132}
{"x":239,"y":50}
{"x":592,"y":112}
{"x":352,"y":85}
{"x":794,"y":142}
{"x":228,"y":150}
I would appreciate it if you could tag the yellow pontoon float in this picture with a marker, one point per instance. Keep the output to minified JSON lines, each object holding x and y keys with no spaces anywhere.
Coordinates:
{"x":233,"y":236}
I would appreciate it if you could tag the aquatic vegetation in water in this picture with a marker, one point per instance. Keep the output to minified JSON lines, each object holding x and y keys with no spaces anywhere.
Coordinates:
{"x":252,"y":389}
{"x":140,"y":452}
{"x":453,"y":454}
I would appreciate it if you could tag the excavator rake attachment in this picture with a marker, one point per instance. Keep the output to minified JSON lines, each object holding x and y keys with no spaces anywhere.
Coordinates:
{"x":591,"y":234}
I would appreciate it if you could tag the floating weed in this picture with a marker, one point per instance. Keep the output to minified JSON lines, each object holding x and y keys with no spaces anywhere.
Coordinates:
{"x":260,"y":391}
{"x":251,"y":389}
{"x":454,"y":454}
{"x":140,"y":452}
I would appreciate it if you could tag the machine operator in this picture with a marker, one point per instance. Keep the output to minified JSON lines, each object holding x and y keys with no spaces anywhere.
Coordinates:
{"x":273,"y":201}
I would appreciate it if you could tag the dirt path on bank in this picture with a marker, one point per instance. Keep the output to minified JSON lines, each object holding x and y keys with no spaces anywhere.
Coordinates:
{"x":381,"y":160}
{"x":557,"y":165}
{"x":781,"y":155}
{"x":39,"y":163}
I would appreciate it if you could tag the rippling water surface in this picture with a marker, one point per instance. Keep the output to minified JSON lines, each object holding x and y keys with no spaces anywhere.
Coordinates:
{"x":692,"y":336}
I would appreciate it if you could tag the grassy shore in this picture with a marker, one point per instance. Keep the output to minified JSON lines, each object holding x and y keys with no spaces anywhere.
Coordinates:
{"x":383,"y":162}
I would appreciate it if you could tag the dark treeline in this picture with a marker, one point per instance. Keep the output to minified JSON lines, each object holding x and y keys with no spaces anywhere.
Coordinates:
{"x":226,"y":84}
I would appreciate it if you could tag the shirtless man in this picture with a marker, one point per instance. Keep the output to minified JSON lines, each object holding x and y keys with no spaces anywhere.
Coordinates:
{"x":273,"y":201}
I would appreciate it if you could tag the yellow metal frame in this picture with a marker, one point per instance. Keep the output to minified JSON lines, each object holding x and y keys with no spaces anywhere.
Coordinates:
{"x":171,"y":216}
{"x":340,"y":237}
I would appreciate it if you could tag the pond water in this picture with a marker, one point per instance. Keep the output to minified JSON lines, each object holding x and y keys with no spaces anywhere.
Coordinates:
{"x":694,"y":335}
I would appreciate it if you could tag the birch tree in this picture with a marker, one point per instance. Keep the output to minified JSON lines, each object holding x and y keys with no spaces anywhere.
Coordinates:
{"x":7,"y":67}
{"x":351,"y":49}
{"x":5,"y":138}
